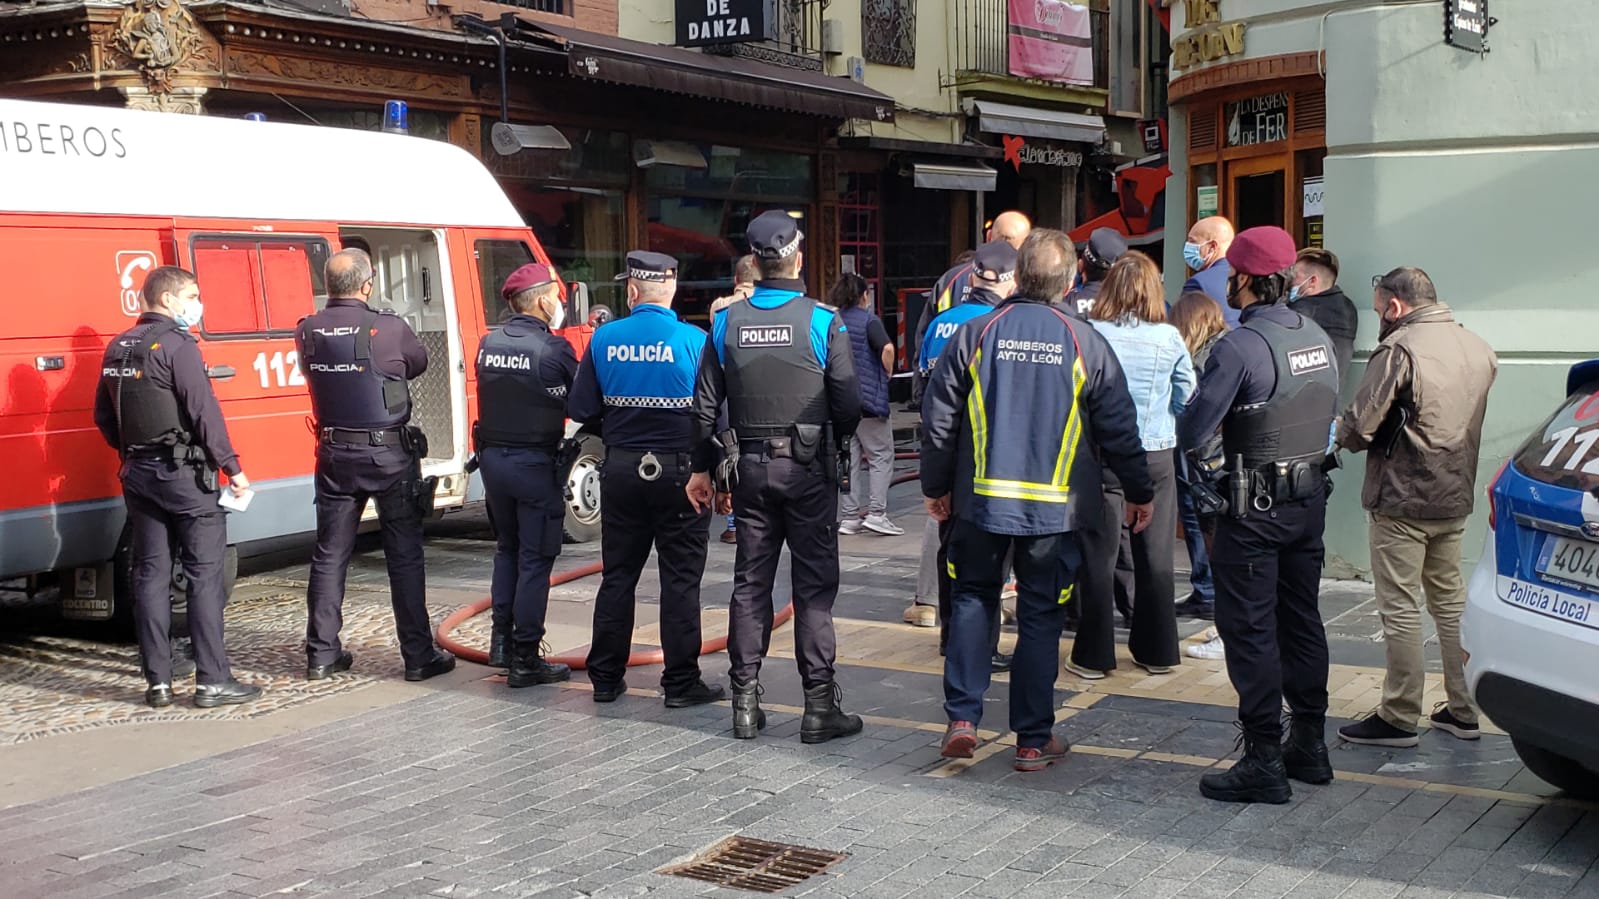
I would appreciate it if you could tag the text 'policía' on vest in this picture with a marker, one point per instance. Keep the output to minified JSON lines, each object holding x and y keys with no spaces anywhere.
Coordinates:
{"x":765,"y":335}
{"x":659,"y":351}
{"x":508,"y":361}
{"x":1305,"y":361}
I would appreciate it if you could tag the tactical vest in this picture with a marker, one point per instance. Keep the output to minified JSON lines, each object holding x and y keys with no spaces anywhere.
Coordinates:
{"x":347,"y":390}
{"x":1081,"y":300}
{"x":147,"y":413}
{"x":514,"y":406}
{"x":1293,"y":425}
{"x":868,"y":365}
{"x":774,"y":378}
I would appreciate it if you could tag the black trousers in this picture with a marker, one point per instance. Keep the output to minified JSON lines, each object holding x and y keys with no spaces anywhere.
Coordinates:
{"x":780,"y":501}
{"x":640,"y":514}
{"x":347,"y":476}
{"x":946,"y":612}
{"x":1041,"y":564}
{"x":1153,"y":638}
{"x":523,"y":492}
{"x":167,"y":505}
{"x":1268,"y":574}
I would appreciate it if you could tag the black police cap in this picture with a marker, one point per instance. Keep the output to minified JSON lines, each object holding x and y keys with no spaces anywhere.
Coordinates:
{"x":1105,"y":246}
{"x":642,"y":265}
{"x":995,"y":261}
{"x":774,"y":235}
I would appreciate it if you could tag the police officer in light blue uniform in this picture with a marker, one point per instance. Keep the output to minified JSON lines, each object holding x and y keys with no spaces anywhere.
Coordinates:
{"x":636,"y":384}
{"x":524,"y":372}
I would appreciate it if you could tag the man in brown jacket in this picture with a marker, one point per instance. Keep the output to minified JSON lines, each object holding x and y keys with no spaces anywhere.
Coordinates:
{"x":1418,"y":414}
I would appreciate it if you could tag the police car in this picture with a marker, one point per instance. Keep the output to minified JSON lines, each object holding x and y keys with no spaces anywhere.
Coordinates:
{"x":1531,"y":625}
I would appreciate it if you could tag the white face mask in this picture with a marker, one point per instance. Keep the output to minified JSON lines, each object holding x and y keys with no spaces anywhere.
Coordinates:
{"x":188,"y":317}
{"x":559,"y":318}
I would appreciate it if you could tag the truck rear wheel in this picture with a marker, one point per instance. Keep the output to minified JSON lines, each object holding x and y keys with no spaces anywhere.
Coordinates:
{"x":583,"y":509}
{"x":122,"y":583}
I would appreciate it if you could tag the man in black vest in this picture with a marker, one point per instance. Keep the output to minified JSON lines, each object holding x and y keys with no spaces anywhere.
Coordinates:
{"x":357,"y":363}
{"x":636,"y":383}
{"x":523,"y":373}
{"x":782,"y":364}
{"x":1271,"y":387}
{"x":155,"y":406}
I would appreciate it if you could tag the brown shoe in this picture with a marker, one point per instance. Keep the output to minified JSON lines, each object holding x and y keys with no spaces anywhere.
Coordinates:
{"x":1037,"y":758}
{"x":730,"y":536}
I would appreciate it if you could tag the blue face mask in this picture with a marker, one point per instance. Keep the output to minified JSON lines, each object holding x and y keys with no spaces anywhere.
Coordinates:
{"x":1296,"y":291}
{"x":189,"y":318}
{"x":1192,"y":256}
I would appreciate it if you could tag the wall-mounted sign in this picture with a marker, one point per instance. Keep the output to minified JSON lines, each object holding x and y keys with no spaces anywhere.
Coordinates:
{"x":1154,"y":134}
{"x":1050,"y":40}
{"x":1018,"y":152}
{"x":1208,"y":38}
{"x":1466,"y":24}
{"x":1257,"y":120}
{"x":701,"y":23}
{"x":1315,"y":196}
{"x":1206,"y":201}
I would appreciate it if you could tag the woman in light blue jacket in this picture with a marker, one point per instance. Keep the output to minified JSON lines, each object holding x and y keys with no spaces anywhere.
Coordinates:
{"x":1130,"y":314}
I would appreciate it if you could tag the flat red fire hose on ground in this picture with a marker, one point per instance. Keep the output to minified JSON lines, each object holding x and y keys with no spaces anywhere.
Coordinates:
{"x":460,"y":616}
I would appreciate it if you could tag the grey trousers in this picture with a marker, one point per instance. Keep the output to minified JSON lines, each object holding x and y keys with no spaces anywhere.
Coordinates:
{"x":874,"y":439}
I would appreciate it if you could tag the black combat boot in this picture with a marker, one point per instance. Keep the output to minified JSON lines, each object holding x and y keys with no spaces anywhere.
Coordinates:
{"x":748,"y":719}
{"x":500,"y":647}
{"x":824,"y":720}
{"x":1257,"y":777}
{"x":528,"y":668}
{"x":1305,"y":751}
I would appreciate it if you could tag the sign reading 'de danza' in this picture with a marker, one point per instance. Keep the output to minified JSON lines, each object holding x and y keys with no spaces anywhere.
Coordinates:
{"x":704,"y":22}
{"x":1208,"y":38}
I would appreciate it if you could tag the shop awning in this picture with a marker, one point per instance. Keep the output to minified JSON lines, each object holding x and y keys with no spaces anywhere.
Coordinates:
{"x":605,"y":57}
{"x":935,"y":176}
{"x":1029,"y":121}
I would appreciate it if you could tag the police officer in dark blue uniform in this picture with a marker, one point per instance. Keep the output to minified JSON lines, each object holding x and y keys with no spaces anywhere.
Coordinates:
{"x":357,"y":363}
{"x":1104,"y":247}
{"x":783,"y":365}
{"x":1271,"y":387}
{"x":524,"y":372}
{"x":1013,"y":415}
{"x":991,"y":281}
{"x":636,"y":384}
{"x":155,"y":406}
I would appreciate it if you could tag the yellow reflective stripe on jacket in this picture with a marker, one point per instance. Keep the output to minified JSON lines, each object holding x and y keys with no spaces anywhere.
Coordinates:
{"x":1065,"y":594}
{"x":979,"y":416}
{"x":1001,"y":489}
{"x":1074,"y":426}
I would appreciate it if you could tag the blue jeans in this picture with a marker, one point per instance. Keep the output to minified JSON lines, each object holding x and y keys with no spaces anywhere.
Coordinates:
{"x":1045,"y":565}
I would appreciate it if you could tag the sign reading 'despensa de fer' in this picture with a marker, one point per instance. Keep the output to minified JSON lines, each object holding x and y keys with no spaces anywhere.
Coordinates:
{"x":701,"y":23}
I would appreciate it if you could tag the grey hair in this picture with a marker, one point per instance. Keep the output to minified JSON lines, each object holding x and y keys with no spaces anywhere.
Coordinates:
{"x":1046,"y":262}
{"x":346,"y":271}
{"x":1411,"y":286}
{"x":656,"y":291}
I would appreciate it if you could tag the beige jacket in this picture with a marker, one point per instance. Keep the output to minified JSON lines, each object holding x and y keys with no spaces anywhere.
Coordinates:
{"x":1430,"y":364}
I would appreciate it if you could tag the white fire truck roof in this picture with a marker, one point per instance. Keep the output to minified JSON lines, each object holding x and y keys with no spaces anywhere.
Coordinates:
{"x":65,"y":158}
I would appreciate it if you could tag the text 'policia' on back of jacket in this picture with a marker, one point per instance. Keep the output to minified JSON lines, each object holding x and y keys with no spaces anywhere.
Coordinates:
{"x":1292,"y":425}
{"x":773,"y":349}
{"x":347,"y":390}
{"x":147,"y":414}
{"x":515,"y":407}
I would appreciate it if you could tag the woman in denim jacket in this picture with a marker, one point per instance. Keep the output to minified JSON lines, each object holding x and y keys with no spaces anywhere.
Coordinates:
{"x":1131,"y":315}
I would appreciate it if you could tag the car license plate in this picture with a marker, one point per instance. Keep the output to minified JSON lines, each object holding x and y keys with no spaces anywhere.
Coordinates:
{"x":1568,"y":561}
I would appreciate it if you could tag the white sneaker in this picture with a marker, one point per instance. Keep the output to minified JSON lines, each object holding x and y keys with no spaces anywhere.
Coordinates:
{"x":1084,"y":673}
{"x":1210,"y":649}
{"x":849,"y":526}
{"x":882,"y":525}
{"x":1208,"y":634}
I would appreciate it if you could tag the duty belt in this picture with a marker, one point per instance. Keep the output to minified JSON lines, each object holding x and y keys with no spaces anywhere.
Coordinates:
{"x":362,"y":437}
{"x":770,"y":448}
{"x":650,"y":465}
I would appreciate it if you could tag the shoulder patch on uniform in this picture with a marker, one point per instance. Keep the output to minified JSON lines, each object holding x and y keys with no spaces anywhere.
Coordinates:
{"x":765,"y":335}
{"x":1307,"y":360}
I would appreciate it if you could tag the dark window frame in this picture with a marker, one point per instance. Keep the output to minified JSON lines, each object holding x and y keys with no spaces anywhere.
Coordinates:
{"x":319,"y":290}
{"x":492,"y":301}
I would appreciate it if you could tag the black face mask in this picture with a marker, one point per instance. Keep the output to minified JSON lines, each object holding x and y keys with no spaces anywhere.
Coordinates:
{"x":1232,"y":293}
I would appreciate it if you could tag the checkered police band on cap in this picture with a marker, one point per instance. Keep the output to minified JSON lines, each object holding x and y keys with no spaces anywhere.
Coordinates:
{"x":647,"y":266}
{"x":644,"y":274}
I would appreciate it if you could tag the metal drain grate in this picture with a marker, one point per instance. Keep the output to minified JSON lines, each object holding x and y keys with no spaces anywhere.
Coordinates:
{"x":756,"y":865}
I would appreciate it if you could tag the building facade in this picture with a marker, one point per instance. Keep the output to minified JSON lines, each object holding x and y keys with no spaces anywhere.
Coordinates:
{"x":1357,"y":127}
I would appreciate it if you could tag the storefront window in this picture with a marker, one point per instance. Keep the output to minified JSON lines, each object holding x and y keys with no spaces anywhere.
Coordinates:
{"x":598,"y":158}
{"x":699,"y":216}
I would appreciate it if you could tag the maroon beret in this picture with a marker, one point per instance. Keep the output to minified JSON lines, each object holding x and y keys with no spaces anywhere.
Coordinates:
{"x":1266,"y":250}
{"x":534,"y":274}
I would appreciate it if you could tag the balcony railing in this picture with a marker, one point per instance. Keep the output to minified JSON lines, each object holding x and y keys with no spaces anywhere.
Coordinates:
{"x":554,"y":7}
{"x":982,"y":40}
{"x":799,"y":37}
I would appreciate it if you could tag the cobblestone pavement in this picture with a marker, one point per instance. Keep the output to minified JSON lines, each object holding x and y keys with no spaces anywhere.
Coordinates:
{"x":474,"y":790}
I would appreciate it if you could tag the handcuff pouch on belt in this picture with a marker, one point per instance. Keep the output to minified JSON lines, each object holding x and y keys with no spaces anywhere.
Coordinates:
{"x":1261,"y":489}
{"x":414,"y":441}
{"x":725,"y":475}
{"x":566,"y":453}
{"x":805,"y":442}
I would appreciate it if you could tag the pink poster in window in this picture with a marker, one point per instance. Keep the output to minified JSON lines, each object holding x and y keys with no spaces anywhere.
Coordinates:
{"x":1049,"y":39}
